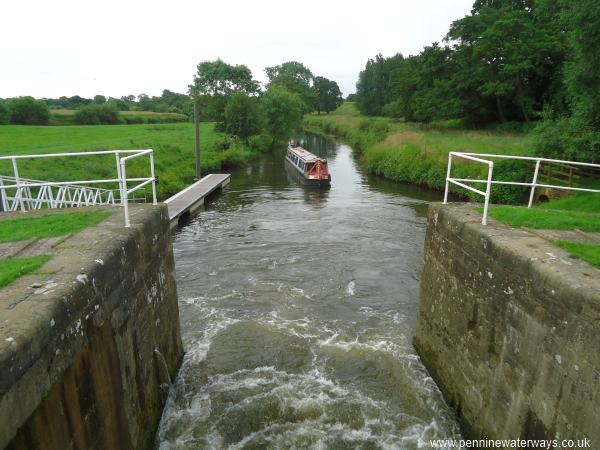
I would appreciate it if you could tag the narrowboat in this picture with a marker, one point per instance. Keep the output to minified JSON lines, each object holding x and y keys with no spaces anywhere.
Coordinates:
{"x":308,"y":168}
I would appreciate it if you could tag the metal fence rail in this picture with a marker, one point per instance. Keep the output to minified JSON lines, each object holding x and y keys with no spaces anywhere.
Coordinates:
{"x":35,"y":194}
{"x":479,"y":157}
{"x":66,"y":196}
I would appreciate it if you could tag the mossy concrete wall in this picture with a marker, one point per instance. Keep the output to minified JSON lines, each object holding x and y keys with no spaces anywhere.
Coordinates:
{"x":509,"y":327}
{"x":88,"y":348}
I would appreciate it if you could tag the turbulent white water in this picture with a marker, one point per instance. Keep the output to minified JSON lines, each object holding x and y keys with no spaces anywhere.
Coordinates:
{"x":297,"y":311}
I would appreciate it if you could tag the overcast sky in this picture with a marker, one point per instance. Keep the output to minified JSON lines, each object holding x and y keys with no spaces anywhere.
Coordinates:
{"x":121,"y":47}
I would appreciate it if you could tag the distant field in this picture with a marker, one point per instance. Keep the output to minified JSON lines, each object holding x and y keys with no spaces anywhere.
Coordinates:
{"x":67,"y":117}
{"x":173,"y":145}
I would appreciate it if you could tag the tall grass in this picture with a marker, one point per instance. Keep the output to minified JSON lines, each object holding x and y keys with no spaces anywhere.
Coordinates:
{"x":418,"y":154}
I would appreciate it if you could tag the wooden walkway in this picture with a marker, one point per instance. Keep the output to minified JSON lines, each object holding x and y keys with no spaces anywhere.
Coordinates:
{"x":192,"y":197}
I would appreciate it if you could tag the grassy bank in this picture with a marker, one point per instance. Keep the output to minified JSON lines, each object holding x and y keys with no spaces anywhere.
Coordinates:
{"x":413,"y":153}
{"x":545,"y":218}
{"x":173,"y":145}
{"x":49,"y":225}
{"x":418,"y":154}
{"x":581,"y":212}
{"x":13,"y":268}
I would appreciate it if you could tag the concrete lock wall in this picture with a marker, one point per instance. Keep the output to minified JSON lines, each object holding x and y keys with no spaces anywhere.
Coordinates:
{"x":87,"y":350}
{"x":509,"y":327}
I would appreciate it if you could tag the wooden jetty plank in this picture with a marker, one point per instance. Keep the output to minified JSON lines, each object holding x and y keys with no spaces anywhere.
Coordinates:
{"x":192,"y":197}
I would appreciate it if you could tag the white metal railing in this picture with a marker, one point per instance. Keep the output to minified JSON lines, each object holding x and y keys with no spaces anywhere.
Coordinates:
{"x":67,"y":196}
{"x":479,"y":157}
{"x":74,"y":193}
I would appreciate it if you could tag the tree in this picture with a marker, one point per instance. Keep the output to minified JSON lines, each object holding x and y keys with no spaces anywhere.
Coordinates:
{"x":296,"y":78}
{"x":373,"y":89}
{"x":99,"y":99}
{"x":76,"y":101}
{"x":217,"y":78}
{"x":4,"y":114}
{"x":327,"y":95}
{"x":510,"y":55}
{"x":575,"y":133}
{"x":291,"y":70}
{"x":424,"y":85}
{"x":28,"y":111}
{"x":243,"y":116}
{"x":582,"y":19}
{"x":283,"y":111}
{"x":216,"y":81}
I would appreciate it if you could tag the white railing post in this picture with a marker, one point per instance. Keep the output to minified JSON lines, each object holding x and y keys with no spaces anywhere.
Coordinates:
{"x":533,"y":185}
{"x":3,"y":204}
{"x":478,"y":157}
{"x":118,"y":159}
{"x":18,"y":182}
{"x":448,"y":177}
{"x":124,"y":195}
{"x":488,"y":193}
{"x":154,"y":202}
{"x":51,"y":202}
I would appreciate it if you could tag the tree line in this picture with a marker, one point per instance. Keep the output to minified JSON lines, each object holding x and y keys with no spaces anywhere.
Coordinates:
{"x":227,"y":94}
{"x":508,"y":61}
{"x":261,"y":116}
{"x":27,"y":110}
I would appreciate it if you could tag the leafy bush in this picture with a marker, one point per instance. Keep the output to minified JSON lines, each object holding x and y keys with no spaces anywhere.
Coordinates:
{"x":128,"y":119}
{"x":260,"y":142}
{"x":283,"y":111}
{"x":513,"y":127}
{"x":394,"y":110}
{"x":28,"y":111}
{"x":243,"y":116}
{"x":407,"y":163}
{"x":449,"y":124}
{"x":510,"y":171}
{"x":223,"y":143}
{"x":96,"y":114}
{"x":566,"y":139}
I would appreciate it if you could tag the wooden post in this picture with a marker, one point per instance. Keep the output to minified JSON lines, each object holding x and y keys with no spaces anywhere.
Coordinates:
{"x":197,"y":127}
{"x":571,"y":176}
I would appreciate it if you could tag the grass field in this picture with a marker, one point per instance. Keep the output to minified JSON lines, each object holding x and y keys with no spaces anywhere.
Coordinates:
{"x":13,"y":268}
{"x":587,"y":252}
{"x":173,"y":146}
{"x":49,"y":225}
{"x":549,"y":219}
{"x":575,"y":212}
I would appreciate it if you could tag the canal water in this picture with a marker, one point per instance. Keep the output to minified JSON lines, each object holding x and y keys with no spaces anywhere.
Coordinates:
{"x":297,"y":311}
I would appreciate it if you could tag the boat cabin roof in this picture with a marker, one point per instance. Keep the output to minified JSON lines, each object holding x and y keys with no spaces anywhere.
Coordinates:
{"x":303,"y":154}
